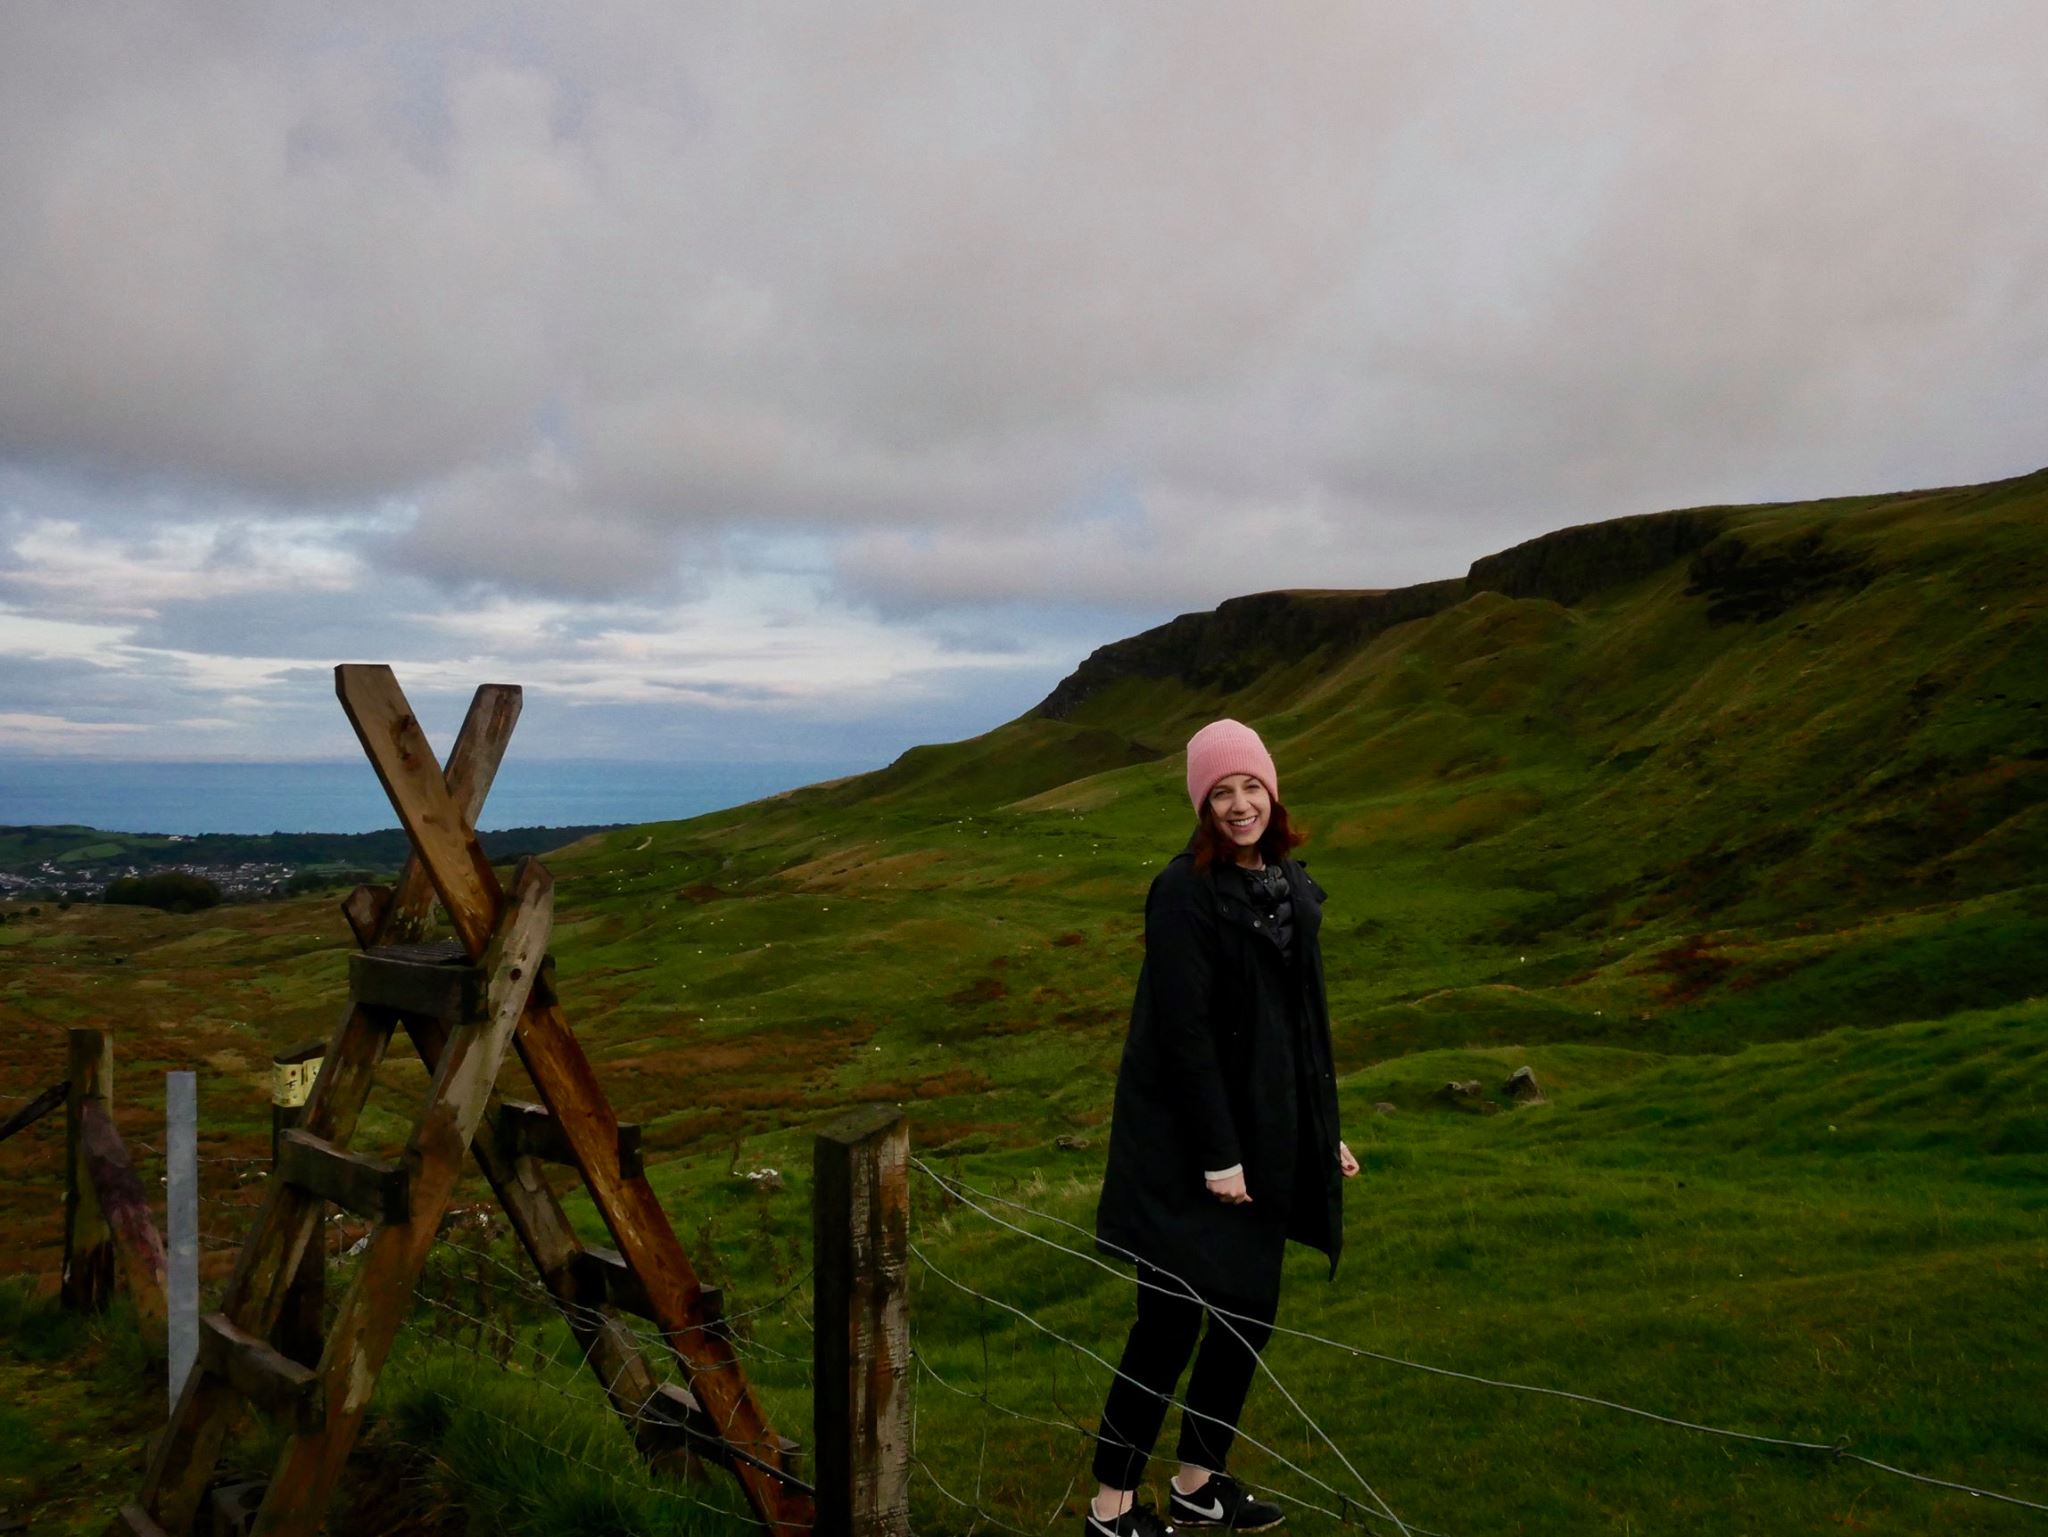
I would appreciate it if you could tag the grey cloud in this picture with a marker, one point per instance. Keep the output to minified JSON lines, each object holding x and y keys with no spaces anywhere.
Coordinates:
{"x":323,"y":626}
{"x":1116,"y":310}
{"x":528,"y":528}
{"x":62,"y":685}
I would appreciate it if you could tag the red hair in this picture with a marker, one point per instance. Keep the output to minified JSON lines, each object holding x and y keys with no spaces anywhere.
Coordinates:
{"x":1213,"y":845}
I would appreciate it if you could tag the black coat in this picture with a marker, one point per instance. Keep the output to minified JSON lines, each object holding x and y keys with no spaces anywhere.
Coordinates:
{"x":1211,"y":1077}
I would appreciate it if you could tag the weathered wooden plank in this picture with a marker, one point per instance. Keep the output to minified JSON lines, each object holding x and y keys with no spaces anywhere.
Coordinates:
{"x":442,"y":836}
{"x":88,"y":1275}
{"x":532,"y":1132}
{"x":602,"y":1278}
{"x":184,"y":1457}
{"x":35,"y":1110}
{"x":448,"y":988}
{"x":675,"y":1419}
{"x":471,"y":767}
{"x":231,"y":1507}
{"x":373,"y":1188}
{"x":364,"y":911}
{"x":640,"y":1228}
{"x":133,"y":1521}
{"x":375,"y":1307}
{"x":861,"y":1250}
{"x":138,"y":1246}
{"x":272,"y":1381}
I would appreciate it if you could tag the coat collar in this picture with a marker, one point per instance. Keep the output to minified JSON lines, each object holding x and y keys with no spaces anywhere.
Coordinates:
{"x":1235,"y":906}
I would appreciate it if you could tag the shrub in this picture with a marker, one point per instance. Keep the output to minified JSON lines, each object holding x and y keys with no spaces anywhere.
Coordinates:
{"x":174,"y":891}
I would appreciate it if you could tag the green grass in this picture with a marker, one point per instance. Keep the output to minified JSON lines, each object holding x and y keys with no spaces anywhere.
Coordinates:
{"x":1761,"y":902}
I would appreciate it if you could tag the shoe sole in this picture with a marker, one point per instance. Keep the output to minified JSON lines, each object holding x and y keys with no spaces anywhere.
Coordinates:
{"x":1210,"y":1524}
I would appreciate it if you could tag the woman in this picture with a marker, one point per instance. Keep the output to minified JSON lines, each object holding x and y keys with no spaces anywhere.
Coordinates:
{"x":1224,"y":1141}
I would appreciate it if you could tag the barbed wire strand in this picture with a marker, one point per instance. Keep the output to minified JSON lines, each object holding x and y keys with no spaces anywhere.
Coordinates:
{"x":1837,"y":1450}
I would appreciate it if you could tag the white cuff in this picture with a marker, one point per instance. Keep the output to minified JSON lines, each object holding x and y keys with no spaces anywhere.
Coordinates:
{"x":1234,"y":1169}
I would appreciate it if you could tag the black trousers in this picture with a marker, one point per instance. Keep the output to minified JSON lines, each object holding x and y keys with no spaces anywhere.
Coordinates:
{"x":1157,"y":1352}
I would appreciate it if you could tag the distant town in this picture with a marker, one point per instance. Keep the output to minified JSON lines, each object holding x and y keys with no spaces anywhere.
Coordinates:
{"x":79,"y":864}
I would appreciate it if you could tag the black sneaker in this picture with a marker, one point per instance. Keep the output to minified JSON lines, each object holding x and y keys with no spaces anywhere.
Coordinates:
{"x":1138,"y":1521}
{"x":1222,"y":1503}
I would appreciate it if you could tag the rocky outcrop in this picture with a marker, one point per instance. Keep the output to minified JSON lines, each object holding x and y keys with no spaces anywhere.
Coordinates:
{"x":1240,"y":639}
{"x":1572,"y":564}
{"x":1743,"y":583}
{"x":1227,"y":648}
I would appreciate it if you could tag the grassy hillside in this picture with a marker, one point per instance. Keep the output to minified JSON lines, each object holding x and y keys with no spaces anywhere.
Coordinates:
{"x":1730,"y":822}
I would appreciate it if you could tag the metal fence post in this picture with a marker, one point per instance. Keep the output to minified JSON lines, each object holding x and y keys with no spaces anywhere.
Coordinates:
{"x":181,"y":1224}
{"x":861,"y":1233}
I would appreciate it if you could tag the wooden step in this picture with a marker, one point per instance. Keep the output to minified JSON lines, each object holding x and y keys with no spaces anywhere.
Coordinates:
{"x":375,"y":1189}
{"x":274,"y":1383}
{"x":601,"y":1277}
{"x":133,"y":1519}
{"x":673,"y":1418}
{"x":231,"y":1509}
{"x":425,"y":981}
{"x":531,"y":1132}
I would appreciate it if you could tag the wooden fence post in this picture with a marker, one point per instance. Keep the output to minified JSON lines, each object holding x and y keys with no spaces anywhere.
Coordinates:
{"x":301,"y":1330}
{"x":88,"y":1241}
{"x":860,"y":1209}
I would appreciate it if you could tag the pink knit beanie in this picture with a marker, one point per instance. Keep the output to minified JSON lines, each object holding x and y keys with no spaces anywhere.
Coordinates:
{"x":1228,"y":747}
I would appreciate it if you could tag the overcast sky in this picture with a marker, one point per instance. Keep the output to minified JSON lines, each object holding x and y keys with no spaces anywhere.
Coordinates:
{"x":785,"y":381}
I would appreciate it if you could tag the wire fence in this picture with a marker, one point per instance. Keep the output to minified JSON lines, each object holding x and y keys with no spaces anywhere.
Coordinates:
{"x":1371,"y":1510}
{"x":480,"y":1306}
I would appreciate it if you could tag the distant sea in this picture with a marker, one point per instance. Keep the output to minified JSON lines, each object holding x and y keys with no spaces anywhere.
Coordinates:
{"x":344,"y":797}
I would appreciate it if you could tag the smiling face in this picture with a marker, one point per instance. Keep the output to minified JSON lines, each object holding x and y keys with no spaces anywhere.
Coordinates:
{"x":1239,"y":804}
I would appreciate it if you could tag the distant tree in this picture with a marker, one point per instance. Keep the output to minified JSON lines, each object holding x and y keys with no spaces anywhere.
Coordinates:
{"x":174,"y":891}
{"x":326,"y":880}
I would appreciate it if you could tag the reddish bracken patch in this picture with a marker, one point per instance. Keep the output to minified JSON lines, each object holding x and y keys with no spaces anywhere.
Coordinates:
{"x":987,"y":990}
{"x":1692,"y":967}
{"x":1069,"y":939}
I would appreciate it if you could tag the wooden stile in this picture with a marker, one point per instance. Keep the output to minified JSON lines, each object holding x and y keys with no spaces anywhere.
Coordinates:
{"x":376,"y":1304}
{"x":462,"y":1011}
{"x":568,"y":1086}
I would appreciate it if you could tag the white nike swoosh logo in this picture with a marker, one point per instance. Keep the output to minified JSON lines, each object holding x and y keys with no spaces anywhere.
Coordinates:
{"x":1213,"y":1513}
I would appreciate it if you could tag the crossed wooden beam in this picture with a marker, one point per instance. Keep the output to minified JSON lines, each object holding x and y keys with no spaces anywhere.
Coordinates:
{"x":461,"y":1020}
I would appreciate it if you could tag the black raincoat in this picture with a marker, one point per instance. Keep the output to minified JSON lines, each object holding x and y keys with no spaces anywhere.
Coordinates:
{"x":1227,"y":1061}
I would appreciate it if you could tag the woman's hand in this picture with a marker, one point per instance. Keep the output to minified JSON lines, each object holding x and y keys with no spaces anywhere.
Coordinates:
{"x":1230,"y":1189}
{"x":1347,"y":1161}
